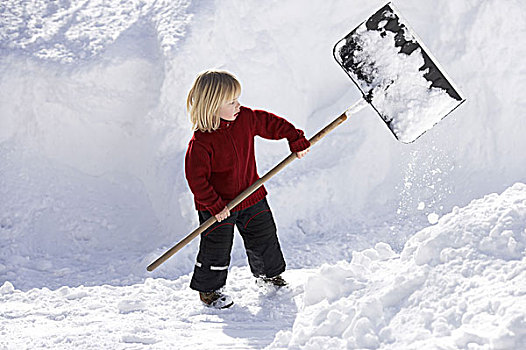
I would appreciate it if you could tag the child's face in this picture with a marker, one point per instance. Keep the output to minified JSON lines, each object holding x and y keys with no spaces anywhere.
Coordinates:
{"x":229,"y":109}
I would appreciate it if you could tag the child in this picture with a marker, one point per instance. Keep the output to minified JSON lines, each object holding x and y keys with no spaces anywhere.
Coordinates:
{"x":219,"y":165}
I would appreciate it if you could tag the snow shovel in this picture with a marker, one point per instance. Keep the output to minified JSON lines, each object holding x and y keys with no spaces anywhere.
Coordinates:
{"x":396,"y":75}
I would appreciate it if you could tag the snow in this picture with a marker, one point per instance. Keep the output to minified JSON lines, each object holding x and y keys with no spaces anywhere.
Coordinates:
{"x":432,"y":218}
{"x":157,"y":312}
{"x":388,"y":245}
{"x":458,"y":284}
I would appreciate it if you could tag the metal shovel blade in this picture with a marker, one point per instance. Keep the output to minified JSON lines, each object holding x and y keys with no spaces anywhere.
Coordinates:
{"x":397,"y":74}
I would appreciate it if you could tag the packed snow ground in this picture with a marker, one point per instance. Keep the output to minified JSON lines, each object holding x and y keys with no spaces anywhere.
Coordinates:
{"x":92,"y":138}
{"x":159,"y":313}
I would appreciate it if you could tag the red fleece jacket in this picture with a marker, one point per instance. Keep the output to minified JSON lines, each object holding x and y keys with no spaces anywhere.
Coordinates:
{"x":219,"y":165}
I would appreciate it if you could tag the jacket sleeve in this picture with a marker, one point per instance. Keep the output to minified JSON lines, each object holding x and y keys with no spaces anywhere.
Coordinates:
{"x":198,"y":171}
{"x":270,"y":126}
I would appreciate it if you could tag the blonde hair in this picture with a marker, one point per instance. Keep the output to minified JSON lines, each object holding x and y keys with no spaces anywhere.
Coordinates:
{"x":210,"y":90}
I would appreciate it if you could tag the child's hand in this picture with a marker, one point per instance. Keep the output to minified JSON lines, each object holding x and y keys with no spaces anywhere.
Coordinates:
{"x":302,"y":154}
{"x":223,"y":214}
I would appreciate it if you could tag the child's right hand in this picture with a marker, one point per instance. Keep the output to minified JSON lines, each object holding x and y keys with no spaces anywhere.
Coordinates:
{"x":223,"y":214}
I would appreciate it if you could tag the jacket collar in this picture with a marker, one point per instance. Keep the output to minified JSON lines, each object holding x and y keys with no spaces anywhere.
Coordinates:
{"x":225,"y":124}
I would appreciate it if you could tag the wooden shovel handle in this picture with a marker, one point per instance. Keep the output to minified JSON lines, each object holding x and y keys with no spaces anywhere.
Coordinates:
{"x":244,"y":194}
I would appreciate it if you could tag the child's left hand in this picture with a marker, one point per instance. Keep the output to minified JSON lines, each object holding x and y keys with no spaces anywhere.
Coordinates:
{"x":302,"y":154}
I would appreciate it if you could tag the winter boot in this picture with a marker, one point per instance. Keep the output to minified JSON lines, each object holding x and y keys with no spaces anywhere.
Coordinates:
{"x":216,"y":299}
{"x":276,"y":281}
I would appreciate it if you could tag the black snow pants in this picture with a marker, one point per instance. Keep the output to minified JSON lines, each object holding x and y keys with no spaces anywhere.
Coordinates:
{"x":258,"y":230}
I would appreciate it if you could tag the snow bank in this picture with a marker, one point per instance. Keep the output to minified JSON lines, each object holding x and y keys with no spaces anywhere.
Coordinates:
{"x":80,"y":140}
{"x":458,"y":284}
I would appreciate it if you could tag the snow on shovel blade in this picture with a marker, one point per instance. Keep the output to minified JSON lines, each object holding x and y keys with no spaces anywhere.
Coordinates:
{"x":397,"y":74}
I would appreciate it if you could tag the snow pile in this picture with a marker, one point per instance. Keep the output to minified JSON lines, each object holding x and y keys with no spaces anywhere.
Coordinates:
{"x":493,"y":226}
{"x":458,"y":284}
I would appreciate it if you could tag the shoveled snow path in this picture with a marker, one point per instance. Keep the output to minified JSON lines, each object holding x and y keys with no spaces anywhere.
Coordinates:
{"x":157,"y":314}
